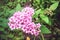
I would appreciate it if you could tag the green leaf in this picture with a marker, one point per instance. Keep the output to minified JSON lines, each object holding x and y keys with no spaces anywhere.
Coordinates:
{"x":18,"y":0}
{"x":54,"y":6}
{"x":24,"y":1}
{"x":45,"y":30}
{"x":5,"y":25}
{"x":7,"y":12}
{"x":22,"y":37}
{"x":36,"y":13}
{"x":10,"y":35}
{"x":18,"y":38}
{"x":18,"y":7}
{"x":11,"y":12}
{"x":52,"y":1}
{"x":38,"y":1}
{"x":1,"y":29}
{"x":45,"y":19}
{"x":10,"y":3}
{"x":3,"y":22}
{"x":20,"y":34}
{"x":39,"y":11}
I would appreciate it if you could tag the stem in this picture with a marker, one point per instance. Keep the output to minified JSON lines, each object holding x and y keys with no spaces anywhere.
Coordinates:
{"x":42,"y":36}
{"x":34,"y":38}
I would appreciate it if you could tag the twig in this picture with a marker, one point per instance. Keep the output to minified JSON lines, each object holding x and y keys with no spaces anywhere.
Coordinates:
{"x":42,"y":36}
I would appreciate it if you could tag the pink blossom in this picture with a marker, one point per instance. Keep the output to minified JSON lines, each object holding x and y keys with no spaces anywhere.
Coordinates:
{"x":28,"y":10}
{"x":23,"y":20}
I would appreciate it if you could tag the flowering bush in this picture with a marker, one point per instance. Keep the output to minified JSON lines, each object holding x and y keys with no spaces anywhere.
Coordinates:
{"x":23,"y":20}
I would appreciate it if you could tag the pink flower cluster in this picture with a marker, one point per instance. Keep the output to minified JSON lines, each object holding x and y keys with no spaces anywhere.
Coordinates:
{"x":23,"y":20}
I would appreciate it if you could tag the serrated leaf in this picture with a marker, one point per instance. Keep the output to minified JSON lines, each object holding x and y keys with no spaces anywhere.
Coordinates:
{"x":18,"y":7}
{"x":45,"y":30}
{"x":54,"y":6}
{"x":45,"y":19}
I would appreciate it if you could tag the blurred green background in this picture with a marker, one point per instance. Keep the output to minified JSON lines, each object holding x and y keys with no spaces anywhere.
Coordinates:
{"x":8,"y":7}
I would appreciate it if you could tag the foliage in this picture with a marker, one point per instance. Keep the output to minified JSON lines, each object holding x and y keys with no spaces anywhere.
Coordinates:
{"x":44,"y":11}
{"x":45,"y":30}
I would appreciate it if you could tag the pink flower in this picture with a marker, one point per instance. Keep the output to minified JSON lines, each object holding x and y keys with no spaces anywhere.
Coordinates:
{"x":12,"y":26}
{"x":28,"y":10}
{"x":23,"y":20}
